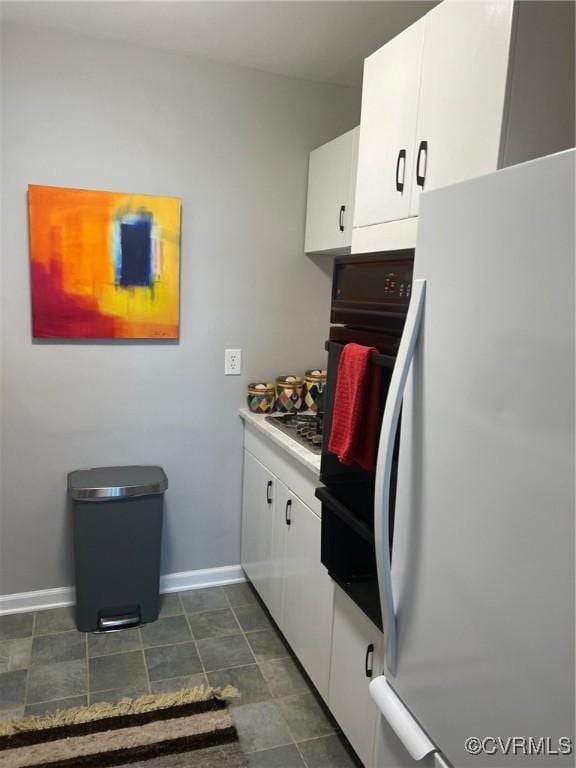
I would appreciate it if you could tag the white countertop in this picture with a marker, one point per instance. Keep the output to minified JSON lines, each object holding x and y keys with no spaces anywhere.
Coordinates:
{"x":310,"y":460}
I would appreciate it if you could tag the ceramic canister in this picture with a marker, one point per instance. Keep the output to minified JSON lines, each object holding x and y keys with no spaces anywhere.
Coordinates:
{"x":261,"y":397}
{"x":288,"y":393}
{"x":314,"y":388}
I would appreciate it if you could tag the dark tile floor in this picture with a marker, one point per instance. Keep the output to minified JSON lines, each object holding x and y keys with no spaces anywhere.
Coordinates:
{"x":219,"y":635}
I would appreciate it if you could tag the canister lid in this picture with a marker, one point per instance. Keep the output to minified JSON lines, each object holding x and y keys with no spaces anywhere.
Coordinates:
{"x":316,"y":374}
{"x":289,"y":382}
{"x":260,"y":388}
{"x":105,"y":483}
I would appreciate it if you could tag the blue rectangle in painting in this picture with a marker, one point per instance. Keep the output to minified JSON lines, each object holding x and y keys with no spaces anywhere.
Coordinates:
{"x":136,"y":252}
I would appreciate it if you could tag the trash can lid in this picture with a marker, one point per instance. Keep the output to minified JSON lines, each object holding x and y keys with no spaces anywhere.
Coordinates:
{"x":103,"y":483}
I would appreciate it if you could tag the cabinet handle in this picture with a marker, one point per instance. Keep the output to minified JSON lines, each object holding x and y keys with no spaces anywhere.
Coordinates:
{"x":287,"y":515}
{"x":422,"y":150}
{"x":341,"y":218}
{"x":269,"y":492}
{"x":369,"y":657}
{"x":400,"y":184}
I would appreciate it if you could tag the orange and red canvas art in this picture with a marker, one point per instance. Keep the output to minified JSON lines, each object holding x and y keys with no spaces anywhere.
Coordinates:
{"x":104,"y":265}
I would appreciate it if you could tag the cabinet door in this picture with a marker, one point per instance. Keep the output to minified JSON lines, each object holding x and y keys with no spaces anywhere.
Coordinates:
{"x":276,"y":572}
{"x":308,"y":594}
{"x":257,"y":517}
{"x":356,"y":651}
{"x":462,"y":93}
{"x":331,"y":185}
{"x":388,"y":129}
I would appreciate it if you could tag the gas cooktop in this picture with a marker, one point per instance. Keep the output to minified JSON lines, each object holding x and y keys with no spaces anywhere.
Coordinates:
{"x":305,"y":428}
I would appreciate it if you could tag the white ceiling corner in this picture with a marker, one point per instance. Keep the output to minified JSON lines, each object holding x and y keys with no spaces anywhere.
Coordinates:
{"x":322,"y":40}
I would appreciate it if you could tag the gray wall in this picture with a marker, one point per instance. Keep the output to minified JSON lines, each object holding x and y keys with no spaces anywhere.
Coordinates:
{"x":233,"y":144}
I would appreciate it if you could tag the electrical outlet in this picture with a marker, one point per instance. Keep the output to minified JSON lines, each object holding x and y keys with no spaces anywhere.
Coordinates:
{"x":232,"y":362}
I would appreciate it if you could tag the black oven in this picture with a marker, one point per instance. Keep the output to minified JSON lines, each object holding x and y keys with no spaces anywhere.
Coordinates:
{"x":370,"y":298}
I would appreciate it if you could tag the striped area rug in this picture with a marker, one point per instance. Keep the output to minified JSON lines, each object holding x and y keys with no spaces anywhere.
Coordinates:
{"x":188,"y":729}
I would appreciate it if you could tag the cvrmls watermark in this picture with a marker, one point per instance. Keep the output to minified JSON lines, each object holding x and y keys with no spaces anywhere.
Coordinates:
{"x":518,"y":745}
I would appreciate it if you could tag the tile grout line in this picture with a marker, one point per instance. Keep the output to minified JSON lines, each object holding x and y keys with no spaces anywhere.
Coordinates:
{"x":288,"y":729}
{"x":301,"y":755}
{"x":303,"y":741}
{"x":26,"y":685}
{"x":193,"y":640}
{"x":143,"y":652}
{"x":242,"y":631}
{"x":232,"y":608}
{"x":217,"y":637}
{"x":180,"y":603}
{"x":257,"y":661}
{"x":290,"y":734}
{"x":277,"y":698}
{"x":88,"y":696}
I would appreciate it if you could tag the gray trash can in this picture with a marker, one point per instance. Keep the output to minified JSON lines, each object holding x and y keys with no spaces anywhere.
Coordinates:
{"x":117,"y":519}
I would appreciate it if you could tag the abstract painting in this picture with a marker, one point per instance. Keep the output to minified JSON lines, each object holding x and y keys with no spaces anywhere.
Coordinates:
{"x":104,"y":265}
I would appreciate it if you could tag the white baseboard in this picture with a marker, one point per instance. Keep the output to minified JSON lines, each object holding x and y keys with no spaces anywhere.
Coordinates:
{"x":36,"y":601}
{"x":207,"y":577}
{"x":59,"y":597}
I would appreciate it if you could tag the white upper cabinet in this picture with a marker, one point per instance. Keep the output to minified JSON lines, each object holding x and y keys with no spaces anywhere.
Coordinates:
{"x":462,"y":92}
{"x":470,"y":88}
{"x":388,"y":129}
{"x":331,"y":188}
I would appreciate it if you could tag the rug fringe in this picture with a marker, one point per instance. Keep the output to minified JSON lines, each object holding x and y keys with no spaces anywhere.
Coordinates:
{"x":126,"y":706}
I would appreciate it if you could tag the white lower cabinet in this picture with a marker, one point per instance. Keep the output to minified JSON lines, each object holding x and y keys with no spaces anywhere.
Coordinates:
{"x":281,"y":557}
{"x":338,"y":646}
{"x":275,"y":599}
{"x":356,"y":657}
{"x":308,"y":593}
{"x":257,"y":500}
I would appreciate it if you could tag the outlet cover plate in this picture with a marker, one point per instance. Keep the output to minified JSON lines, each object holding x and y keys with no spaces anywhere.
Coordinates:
{"x":232,"y":362}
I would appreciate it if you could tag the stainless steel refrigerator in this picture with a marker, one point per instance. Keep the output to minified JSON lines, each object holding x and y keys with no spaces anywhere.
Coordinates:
{"x":478,"y":606}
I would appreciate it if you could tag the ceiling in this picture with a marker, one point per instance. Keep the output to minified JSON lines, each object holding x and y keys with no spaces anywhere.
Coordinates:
{"x":318,"y":40}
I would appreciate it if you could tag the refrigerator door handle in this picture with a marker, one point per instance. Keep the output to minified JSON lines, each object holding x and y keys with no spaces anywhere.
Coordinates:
{"x":384,"y":467}
{"x":400,"y":719}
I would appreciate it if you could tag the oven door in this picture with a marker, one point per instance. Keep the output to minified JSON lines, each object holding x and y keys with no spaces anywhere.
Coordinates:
{"x":348,"y":551}
{"x":347,"y":545}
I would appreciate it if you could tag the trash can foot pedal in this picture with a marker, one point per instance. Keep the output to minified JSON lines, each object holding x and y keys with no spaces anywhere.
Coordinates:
{"x":116,"y":623}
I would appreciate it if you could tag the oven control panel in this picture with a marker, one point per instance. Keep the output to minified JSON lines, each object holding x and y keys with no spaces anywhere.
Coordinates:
{"x":395,"y":285}
{"x":364,"y":282}
{"x":373,"y":290}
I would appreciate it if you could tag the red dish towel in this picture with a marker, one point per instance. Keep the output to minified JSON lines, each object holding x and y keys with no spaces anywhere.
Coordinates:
{"x":354,"y":432}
